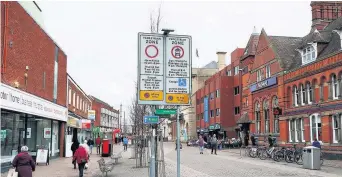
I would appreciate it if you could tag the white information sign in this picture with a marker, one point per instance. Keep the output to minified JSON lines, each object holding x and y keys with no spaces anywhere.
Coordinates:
{"x":164,"y":69}
{"x":42,"y":156}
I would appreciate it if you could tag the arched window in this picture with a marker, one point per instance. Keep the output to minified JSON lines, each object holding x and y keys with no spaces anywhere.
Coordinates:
{"x":309,"y":93}
{"x":302,"y":94}
{"x":335,"y":87}
{"x":257,"y":117}
{"x":315,"y":127}
{"x":295,"y":96}
{"x":275,"y":104}
{"x":266,"y":116}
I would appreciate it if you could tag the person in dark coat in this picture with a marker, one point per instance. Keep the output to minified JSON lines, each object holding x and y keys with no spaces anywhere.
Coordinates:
{"x":24,"y":163}
{"x":74,"y":147}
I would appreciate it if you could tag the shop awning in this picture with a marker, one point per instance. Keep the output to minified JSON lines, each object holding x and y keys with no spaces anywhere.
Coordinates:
{"x":243,"y":119}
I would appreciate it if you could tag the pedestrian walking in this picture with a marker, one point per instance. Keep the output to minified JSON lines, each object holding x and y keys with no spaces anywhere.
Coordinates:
{"x":98,"y":145}
{"x":213,"y":144}
{"x":201,"y":144}
{"x":24,"y":163}
{"x":125,"y":143}
{"x":74,"y":147}
{"x":81,"y":157}
{"x":87,"y":148}
{"x":91,"y":144}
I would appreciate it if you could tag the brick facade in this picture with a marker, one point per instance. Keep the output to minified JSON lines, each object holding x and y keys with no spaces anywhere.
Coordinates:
{"x":78,"y":100}
{"x":28,"y":58}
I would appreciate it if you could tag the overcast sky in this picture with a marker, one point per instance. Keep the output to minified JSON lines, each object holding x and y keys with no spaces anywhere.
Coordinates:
{"x":100,"y":38}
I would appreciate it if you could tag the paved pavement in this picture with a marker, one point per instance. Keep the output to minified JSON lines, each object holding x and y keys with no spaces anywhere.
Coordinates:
{"x":62,"y":167}
{"x":225,"y":164}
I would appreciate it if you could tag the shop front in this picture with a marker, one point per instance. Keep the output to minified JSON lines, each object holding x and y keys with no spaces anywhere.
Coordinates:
{"x":29,"y":120}
{"x":73,"y":127}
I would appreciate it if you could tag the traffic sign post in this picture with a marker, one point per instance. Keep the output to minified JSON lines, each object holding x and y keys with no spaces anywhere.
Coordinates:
{"x":164,"y":77}
{"x":164,"y":69}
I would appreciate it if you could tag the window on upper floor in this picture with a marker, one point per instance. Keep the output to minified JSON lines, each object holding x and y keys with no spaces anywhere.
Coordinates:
{"x":229,"y":72}
{"x":217,"y":93}
{"x":309,"y":53}
{"x":259,"y":75}
{"x":74,"y":99}
{"x":211,"y":113}
{"x":217,"y":111}
{"x":212,"y":96}
{"x":236,"y":70}
{"x":295,"y":96}
{"x":335,"y":87}
{"x":78,"y":102}
{"x":303,"y":94}
{"x":236,"y":90}
{"x":70,"y":95}
{"x":237,"y":110}
{"x":268,"y":71}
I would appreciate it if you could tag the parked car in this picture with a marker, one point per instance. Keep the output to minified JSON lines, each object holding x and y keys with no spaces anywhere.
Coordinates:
{"x":191,"y":143}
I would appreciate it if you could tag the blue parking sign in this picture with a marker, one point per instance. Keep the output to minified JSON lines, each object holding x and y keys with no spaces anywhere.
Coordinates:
{"x":181,"y":82}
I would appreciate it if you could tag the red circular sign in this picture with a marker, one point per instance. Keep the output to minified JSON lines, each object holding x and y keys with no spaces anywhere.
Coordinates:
{"x":151,"y":47}
{"x":146,"y":95}
{"x":177,"y":52}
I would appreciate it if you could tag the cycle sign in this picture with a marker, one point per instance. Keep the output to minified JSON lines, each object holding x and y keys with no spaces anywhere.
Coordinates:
{"x":164,"y":69}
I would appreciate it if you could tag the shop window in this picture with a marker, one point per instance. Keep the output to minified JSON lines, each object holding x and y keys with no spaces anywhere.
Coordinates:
{"x":296,"y":130}
{"x":55,"y":139}
{"x":337,"y":124}
{"x":292,"y":130}
{"x":275,"y":104}
{"x":315,"y":127}
{"x":12,"y":134}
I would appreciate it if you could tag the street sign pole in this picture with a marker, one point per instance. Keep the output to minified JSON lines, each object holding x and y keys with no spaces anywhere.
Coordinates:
{"x":178,"y":144}
{"x":153,"y":157}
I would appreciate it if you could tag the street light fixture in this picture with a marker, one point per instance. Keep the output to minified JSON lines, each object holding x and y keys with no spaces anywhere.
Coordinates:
{"x":167,"y":31}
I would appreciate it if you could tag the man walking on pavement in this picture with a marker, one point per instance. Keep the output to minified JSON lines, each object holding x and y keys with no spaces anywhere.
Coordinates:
{"x":125,"y":142}
{"x":213,"y":144}
{"x":91,"y":145}
{"x":98,"y":145}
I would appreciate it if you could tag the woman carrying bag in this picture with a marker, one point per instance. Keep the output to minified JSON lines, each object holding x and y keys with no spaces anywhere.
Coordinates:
{"x":23,"y":163}
{"x":81,"y":157}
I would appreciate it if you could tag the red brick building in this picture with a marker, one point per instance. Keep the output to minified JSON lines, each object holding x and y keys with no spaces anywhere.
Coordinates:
{"x":313,"y":89}
{"x":33,"y":85}
{"x":220,"y":116}
{"x":79,"y":126}
{"x":106,"y":117}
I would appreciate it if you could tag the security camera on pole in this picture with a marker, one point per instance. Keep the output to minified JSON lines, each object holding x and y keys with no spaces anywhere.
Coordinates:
{"x":164,"y":76}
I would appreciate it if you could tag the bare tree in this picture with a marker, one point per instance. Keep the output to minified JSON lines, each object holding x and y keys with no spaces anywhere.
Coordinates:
{"x":155,"y":21}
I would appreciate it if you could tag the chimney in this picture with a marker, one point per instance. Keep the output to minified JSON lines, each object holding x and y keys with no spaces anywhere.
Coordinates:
{"x":324,"y":12}
{"x":221,"y":60}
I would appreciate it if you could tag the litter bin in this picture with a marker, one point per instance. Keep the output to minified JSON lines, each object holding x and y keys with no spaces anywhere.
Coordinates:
{"x":312,"y":158}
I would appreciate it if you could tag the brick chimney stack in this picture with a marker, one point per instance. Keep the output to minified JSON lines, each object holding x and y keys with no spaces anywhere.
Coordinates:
{"x":324,"y":12}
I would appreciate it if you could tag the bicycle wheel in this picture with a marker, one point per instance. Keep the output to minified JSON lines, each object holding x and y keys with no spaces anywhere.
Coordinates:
{"x":322,"y":160}
{"x":253,"y":153}
{"x":278,"y":156}
{"x":289,"y":156}
{"x":263,"y":155}
{"x":299,"y":158}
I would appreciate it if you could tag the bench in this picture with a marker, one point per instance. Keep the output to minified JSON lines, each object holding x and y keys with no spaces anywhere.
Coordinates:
{"x":105,"y":167}
{"x":117,"y":156}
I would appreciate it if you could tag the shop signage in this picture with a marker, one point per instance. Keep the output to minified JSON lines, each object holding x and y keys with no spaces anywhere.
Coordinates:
{"x":17,"y":100}
{"x":47,"y":133}
{"x":206,"y":109}
{"x":91,"y":114}
{"x":86,"y":124}
{"x":263,"y":84}
{"x":164,"y":69}
{"x":74,"y":122}
{"x":211,"y":127}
